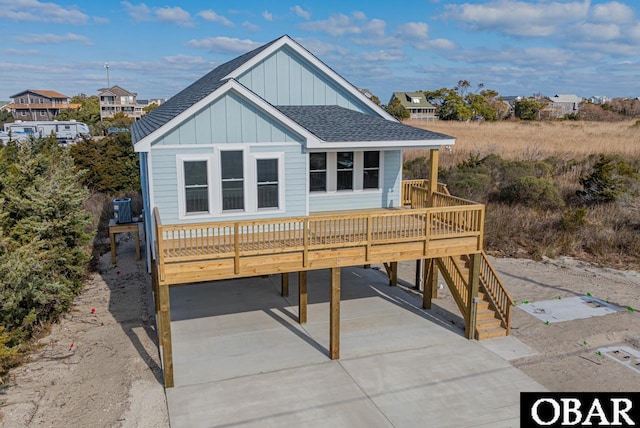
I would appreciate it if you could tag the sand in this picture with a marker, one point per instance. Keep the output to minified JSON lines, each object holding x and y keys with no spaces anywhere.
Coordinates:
{"x":99,"y":366}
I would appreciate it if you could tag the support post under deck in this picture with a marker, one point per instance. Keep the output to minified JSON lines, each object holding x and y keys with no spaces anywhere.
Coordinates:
{"x":474,"y":283}
{"x":302,"y":297}
{"x":284,"y":284}
{"x":164,"y":334}
{"x":334,"y":315}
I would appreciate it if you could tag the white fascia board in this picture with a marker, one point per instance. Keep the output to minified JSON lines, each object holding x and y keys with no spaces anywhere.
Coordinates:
{"x":144,"y":145}
{"x":302,"y":51}
{"x":379,"y":145}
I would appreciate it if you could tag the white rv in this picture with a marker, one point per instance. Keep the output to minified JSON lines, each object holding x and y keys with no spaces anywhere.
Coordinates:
{"x":65,"y":131}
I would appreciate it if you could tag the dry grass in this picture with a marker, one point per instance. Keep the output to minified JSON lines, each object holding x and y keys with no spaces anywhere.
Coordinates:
{"x":609,"y":233}
{"x":533,"y":140}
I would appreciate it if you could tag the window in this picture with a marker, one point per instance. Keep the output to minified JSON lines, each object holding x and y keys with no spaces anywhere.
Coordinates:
{"x":344,"y":167}
{"x":318,"y":172}
{"x":23,"y":113}
{"x":371,"y":170}
{"x":267,"y":174}
{"x":232,"y":180}
{"x":43,"y":112}
{"x":196,"y":187}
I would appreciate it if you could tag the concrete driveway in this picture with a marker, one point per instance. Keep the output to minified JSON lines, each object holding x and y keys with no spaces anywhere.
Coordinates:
{"x":241,"y":359}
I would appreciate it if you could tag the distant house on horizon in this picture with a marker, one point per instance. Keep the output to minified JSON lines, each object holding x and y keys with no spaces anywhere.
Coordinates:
{"x":38,"y":104}
{"x":116,"y":100}
{"x":418,"y":106}
{"x":562,"y":105}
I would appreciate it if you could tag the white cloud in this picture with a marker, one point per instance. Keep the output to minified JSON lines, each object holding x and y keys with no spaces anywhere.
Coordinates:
{"x":413,"y":31}
{"x":390,"y":55}
{"x":36,"y":11}
{"x":301,"y":12}
{"x":268,"y":16}
{"x":20,"y":52}
{"x":250,"y":26}
{"x":340,"y":24}
{"x":175,"y":15}
{"x":211,"y":16}
{"x":224,"y":44}
{"x":139,"y":13}
{"x":518,"y":18}
{"x":51,"y":39}
{"x":601,"y":32}
{"x":143,"y":13}
{"x":612,"y":12}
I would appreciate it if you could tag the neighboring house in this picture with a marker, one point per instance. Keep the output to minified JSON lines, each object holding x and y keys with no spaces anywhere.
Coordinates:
{"x":115,"y":100}
{"x":273,"y":163}
{"x":562,"y":105}
{"x":39,"y":104}
{"x":419,"y":108}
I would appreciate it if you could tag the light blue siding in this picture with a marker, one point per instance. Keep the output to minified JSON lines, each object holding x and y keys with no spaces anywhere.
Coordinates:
{"x":166,"y":188}
{"x":229,"y":119}
{"x":286,"y":78}
{"x":388,"y":197}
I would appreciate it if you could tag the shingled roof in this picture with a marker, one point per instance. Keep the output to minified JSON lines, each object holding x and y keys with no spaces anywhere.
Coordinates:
{"x":338,"y":124}
{"x":190,"y":95}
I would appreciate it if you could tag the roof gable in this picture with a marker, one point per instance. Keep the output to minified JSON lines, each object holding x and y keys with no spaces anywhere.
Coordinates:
{"x":153,"y":127}
{"x":234,"y":69}
{"x":43,"y":93}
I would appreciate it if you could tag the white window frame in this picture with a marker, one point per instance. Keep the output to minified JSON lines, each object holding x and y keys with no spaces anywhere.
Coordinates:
{"x":358,"y":174}
{"x":245,"y":179}
{"x":279,"y":156}
{"x":182,"y":199}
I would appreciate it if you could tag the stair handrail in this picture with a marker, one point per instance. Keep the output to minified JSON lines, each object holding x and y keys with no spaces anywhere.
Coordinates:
{"x":495,"y":289}
{"x":456,"y":281}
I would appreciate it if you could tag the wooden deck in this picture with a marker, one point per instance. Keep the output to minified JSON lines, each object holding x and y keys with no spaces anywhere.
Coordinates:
{"x":208,"y":251}
{"x":440,"y":229}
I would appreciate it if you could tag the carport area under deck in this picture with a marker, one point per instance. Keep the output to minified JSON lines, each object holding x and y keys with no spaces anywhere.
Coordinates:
{"x":242,"y":359}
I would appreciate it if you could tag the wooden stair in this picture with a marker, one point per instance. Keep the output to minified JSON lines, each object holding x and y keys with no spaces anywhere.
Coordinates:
{"x":489,"y":323}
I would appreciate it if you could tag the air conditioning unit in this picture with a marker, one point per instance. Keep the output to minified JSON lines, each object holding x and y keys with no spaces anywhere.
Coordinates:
{"x":122,"y":210}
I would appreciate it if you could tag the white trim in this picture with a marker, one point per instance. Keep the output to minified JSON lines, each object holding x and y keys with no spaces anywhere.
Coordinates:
{"x":247,"y":174}
{"x":213,"y":145}
{"x":377,"y":145}
{"x":302,"y":51}
{"x":280,"y":157}
{"x":358,"y":174}
{"x":182,"y":206}
{"x":144,"y":145}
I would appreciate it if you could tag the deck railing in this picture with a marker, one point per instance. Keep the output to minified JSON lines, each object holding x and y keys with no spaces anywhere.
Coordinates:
{"x":207,"y":241}
{"x":408,"y":184}
{"x":496,"y":290}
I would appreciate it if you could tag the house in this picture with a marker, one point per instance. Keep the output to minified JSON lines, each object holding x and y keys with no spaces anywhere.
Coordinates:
{"x":562,"y":105}
{"x":419,"y":108}
{"x":273,"y":163}
{"x":39,"y":104}
{"x":115,"y":100}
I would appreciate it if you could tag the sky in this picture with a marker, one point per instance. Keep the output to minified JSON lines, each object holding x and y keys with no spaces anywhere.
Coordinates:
{"x":156,"y":48}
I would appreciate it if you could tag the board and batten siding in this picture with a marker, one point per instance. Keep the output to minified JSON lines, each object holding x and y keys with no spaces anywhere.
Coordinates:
{"x":285,"y":78}
{"x":228,"y":119}
{"x":388,"y":196}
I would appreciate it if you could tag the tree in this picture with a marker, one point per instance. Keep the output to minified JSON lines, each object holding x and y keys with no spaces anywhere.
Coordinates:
{"x":528,"y":108}
{"x":43,"y":224}
{"x":6,"y":117}
{"x":88,"y":112}
{"x":118,"y":169}
{"x":458,"y":103}
{"x":396,"y":109}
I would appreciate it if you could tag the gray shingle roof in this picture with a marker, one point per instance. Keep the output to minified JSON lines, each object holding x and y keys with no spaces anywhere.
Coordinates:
{"x":338,"y":124}
{"x":190,"y":95}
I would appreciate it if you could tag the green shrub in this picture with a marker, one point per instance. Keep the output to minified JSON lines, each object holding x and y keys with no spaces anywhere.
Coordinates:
{"x":118,"y":169}
{"x":471,"y":185}
{"x":572,"y":219}
{"x":610,"y":178}
{"x":532,"y":192}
